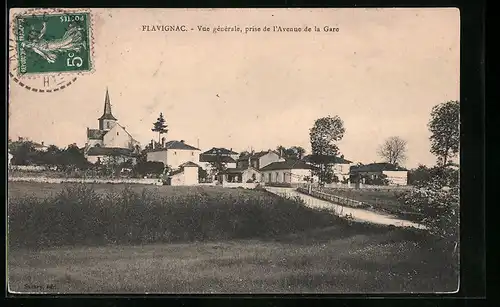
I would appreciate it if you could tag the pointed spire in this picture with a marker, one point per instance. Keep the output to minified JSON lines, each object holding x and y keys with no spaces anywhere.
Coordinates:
{"x":107,"y":108}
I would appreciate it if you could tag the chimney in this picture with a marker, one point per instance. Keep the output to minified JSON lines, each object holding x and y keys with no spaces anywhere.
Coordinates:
{"x":163,"y":142}
{"x":42,"y":143}
{"x":182,"y":141}
{"x":152,"y":144}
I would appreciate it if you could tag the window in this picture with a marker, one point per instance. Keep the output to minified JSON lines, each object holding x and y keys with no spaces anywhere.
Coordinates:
{"x":175,"y":152}
{"x":108,"y":124}
{"x":277,"y":176}
{"x":117,"y":133}
{"x":192,"y":153}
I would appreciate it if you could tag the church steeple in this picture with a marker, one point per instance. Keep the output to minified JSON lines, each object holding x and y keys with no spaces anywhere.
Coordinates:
{"x":107,"y":120}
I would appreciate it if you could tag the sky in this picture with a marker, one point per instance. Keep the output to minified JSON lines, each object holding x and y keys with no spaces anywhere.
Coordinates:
{"x":381,"y":73}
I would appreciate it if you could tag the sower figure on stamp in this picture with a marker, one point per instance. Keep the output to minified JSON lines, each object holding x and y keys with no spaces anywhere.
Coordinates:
{"x":72,"y":40}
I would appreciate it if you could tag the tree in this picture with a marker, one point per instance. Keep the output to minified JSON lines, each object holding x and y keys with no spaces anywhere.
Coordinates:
{"x":281,"y":150}
{"x":218,"y":165}
{"x":244,"y":153}
{"x":294,"y":152}
{"x":160,"y":126}
{"x":323,"y":136}
{"x":22,"y":153}
{"x":445,"y":130}
{"x":73,"y":157}
{"x":393,"y":150}
{"x":299,"y":151}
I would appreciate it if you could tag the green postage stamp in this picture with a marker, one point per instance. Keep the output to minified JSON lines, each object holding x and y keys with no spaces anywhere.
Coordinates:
{"x":54,"y":42}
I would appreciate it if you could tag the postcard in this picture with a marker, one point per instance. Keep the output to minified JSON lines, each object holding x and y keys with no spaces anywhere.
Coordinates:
{"x":248,"y":151}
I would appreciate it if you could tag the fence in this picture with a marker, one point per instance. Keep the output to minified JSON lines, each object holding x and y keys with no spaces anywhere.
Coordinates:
{"x":333,"y":198}
{"x":352,"y":186}
{"x":150,"y":181}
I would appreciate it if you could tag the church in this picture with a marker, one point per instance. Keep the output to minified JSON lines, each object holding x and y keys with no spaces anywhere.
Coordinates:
{"x":111,"y":142}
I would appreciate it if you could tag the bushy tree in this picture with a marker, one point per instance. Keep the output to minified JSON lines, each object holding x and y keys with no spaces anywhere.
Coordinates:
{"x":445,"y":130}
{"x":323,"y":136}
{"x":393,"y":150}
{"x":149,"y":168}
{"x":437,"y":198}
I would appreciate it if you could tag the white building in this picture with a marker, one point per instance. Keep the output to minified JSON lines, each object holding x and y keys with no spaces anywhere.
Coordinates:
{"x":174,"y":153}
{"x":111,"y":140}
{"x":186,"y":174}
{"x":289,"y":172}
{"x":394,"y":174}
{"x":258,"y":160}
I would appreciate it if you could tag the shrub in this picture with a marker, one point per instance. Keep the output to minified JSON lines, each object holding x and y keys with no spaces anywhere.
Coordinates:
{"x":437,"y":198}
{"x":80,"y":216}
{"x":145,"y":168}
{"x":378,"y":180}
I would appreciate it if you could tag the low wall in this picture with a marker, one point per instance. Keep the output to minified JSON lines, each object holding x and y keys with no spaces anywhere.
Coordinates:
{"x":342,"y":186}
{"x":335,"y":199}
{"x":239,"y":185}
{"x":87,"y":180}
{"x":28,"y":168}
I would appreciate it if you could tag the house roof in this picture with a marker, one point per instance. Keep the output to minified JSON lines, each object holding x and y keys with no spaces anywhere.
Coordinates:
{"x":376,"y":167}
{"x":212,"y":158}
{"x":326,"y":158}
{"x":189,"y":164}
{"x":256,"y":155}
{"x":180,"y":145}
{"x":95,"y":134}
{"x":219,"y":150}
{"x":289,"y":164}
{"x":110,"y":151}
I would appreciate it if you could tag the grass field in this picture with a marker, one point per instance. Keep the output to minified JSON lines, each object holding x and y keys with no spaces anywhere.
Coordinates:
{"x":383,"y":200}
{"x":278,"y":245}
{"x":44,"y":190}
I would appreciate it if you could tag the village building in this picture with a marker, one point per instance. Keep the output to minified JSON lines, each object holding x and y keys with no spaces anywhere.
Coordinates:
{"x":396,"y":175}
{"x":287,"y":172}
{"x":258,"y":160}
{"x":185,"y":174}
{"x":111,"y":142}
{"x":241,"y":175}
{"x":174,"y":153}
{"x":339,"y":165}
{"x":214,"y":156}
{"x":221,"y":151}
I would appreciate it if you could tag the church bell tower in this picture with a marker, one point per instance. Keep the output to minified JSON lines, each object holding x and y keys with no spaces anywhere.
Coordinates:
{"x":107,"y":120}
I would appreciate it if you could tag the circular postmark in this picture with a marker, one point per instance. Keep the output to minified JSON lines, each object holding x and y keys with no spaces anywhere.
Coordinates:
{"x":50,"y":48}
{"x":37,"y":83}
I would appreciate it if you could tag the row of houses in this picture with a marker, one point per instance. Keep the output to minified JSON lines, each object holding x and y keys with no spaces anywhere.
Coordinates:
{"x":112,"y":140}
{"x":264,"y":166}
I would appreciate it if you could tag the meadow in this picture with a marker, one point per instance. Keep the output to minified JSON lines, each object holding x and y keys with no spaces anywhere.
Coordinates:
{"x":385,"y":200}
{"x":115,"y":238}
